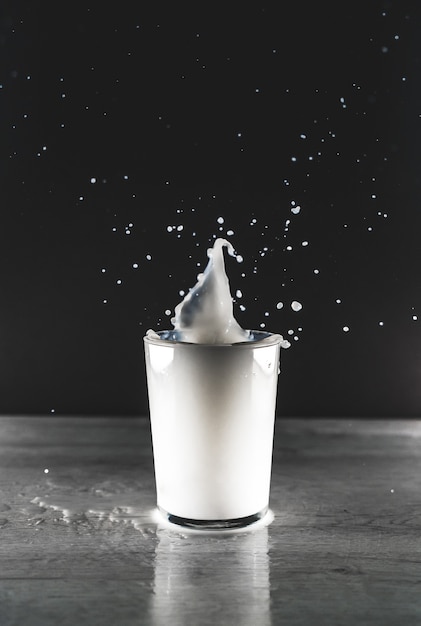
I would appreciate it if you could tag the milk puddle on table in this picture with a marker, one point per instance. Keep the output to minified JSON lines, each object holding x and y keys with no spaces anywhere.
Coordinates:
{"x":107,"y":502}
{"x":112,"y":503}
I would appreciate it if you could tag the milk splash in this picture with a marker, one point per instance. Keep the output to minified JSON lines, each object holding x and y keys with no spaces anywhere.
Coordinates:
{"x":206,"y":313}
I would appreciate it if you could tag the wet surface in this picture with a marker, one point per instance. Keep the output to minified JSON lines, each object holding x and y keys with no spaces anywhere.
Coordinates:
{"x":82,"y":543}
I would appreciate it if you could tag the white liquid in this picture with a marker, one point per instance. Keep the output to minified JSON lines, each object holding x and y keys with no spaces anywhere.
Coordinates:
{"x":212,"y":392}
{"x":212,"y":418}
{"x":206,"y":313}
{"x":78,"y":508}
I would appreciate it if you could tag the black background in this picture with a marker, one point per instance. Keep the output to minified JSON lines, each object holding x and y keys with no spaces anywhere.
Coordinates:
{"x":175,"y":116}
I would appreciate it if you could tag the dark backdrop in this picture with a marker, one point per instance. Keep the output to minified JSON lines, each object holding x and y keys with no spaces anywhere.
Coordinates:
{"x":131,"y":136}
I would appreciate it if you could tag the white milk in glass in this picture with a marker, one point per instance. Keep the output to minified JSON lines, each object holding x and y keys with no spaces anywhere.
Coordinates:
{"x":212,"y":393}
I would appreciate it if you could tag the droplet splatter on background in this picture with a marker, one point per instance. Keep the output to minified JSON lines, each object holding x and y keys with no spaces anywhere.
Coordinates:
{"x":120,"y":173}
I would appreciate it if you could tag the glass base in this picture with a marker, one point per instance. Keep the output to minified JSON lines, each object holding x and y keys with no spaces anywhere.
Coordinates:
{"x":220,"y":524}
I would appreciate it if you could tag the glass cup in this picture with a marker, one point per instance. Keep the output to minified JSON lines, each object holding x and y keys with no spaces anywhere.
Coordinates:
{"x":212,"y":410}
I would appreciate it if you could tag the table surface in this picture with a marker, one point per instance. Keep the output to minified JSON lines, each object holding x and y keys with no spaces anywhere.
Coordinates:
{"x":80,"y":542}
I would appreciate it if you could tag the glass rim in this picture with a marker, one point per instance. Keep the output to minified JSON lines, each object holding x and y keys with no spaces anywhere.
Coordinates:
{"x":259,"y":339}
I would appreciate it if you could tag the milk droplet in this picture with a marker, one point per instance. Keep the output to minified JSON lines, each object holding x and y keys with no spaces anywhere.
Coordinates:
{"x":296,"y":306}
{"x":279,"y":305}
